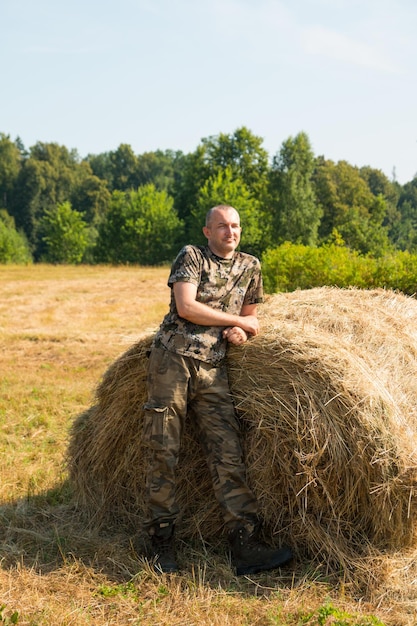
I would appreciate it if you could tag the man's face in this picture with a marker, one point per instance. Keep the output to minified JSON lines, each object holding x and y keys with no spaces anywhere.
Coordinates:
{"x":223,"y":232}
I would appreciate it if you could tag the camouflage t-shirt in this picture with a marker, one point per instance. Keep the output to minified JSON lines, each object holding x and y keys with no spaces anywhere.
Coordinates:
{"x":223,"y":284}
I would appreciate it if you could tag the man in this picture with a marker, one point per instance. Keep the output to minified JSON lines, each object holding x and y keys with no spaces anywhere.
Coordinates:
{"x":214,"y":297}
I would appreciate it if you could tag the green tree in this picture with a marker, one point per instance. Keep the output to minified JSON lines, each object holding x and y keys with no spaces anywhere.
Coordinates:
{"x":380,"y":186}
{"x":225,"y":188}
{"x":90,"y":195}
{"x":46,"y":179}
{"x":404,"y":233}
{"x":194,"y":173}
{"x":124,"y":165}
{"x":350,"y":207}
{"x":64,"y":234}
{"x":13,"y":244}
{"x":295,"y":212}
{"x":123,"y":170}
{"x":158,"y":168}
{"x":241,"y":151}
{"x":10,"y":164}
{"x":140,"y":227}
{"x":101,"y":166}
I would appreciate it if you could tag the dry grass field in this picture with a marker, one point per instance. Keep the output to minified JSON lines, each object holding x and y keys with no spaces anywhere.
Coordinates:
{"x":60,"y":328}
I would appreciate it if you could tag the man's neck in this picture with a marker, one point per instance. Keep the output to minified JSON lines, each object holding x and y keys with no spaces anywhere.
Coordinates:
{"x":229,"y":256}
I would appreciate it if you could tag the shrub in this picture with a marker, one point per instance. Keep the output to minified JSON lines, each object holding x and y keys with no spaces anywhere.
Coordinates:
{"x":14,"y":247}
{"x":295,"y":266}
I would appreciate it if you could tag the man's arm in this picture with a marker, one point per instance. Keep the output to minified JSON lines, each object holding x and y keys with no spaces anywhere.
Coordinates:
{"x":249,"y":309}
{"x":189,"y":308}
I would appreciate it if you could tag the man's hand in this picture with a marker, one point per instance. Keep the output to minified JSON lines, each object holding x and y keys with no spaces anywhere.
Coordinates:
{"x":250,"y":324}
{"x":235,"y":335}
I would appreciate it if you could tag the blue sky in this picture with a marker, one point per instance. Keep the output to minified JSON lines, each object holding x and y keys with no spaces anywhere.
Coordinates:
{"x":163,"y":74}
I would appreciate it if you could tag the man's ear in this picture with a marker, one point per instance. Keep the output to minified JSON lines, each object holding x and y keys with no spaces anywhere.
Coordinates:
{"x":206,"y":231}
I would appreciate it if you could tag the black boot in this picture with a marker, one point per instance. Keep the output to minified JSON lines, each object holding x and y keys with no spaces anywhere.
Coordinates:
{"x":250,"y":555}
{"x":163,"y":553}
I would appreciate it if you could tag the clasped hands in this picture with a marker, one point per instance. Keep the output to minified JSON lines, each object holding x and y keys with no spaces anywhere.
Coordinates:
{"x":235,"y":335}
{"x":238,"y":335}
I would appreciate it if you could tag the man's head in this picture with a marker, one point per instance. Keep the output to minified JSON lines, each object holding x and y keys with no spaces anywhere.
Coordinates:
{"x":222,"y":230}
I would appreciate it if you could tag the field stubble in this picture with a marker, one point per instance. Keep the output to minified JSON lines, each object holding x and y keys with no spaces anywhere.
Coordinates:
{"x":60,"y":328}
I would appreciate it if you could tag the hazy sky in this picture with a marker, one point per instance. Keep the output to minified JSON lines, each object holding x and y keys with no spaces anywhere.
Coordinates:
{"x":163,"y":74}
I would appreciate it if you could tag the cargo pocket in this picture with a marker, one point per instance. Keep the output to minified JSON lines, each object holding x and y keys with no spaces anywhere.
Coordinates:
{"x":155,"y":427}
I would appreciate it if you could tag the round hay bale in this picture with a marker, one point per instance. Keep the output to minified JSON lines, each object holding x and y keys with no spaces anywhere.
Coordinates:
{"x":327,"y":394}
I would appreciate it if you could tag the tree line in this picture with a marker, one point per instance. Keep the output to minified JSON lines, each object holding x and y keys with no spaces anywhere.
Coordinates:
{"x":120,"y":207}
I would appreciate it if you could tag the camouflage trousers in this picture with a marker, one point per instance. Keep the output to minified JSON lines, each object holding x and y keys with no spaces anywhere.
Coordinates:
{"x":177,"y":384}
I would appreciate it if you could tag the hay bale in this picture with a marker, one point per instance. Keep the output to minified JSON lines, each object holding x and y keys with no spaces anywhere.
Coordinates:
{"x":327,"y":394}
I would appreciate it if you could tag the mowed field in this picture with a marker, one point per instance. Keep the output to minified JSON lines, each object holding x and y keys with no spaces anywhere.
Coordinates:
{"x":60,"y":328}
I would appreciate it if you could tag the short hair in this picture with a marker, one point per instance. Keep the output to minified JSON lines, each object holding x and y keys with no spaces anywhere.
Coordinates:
{"x":225,"y":207}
